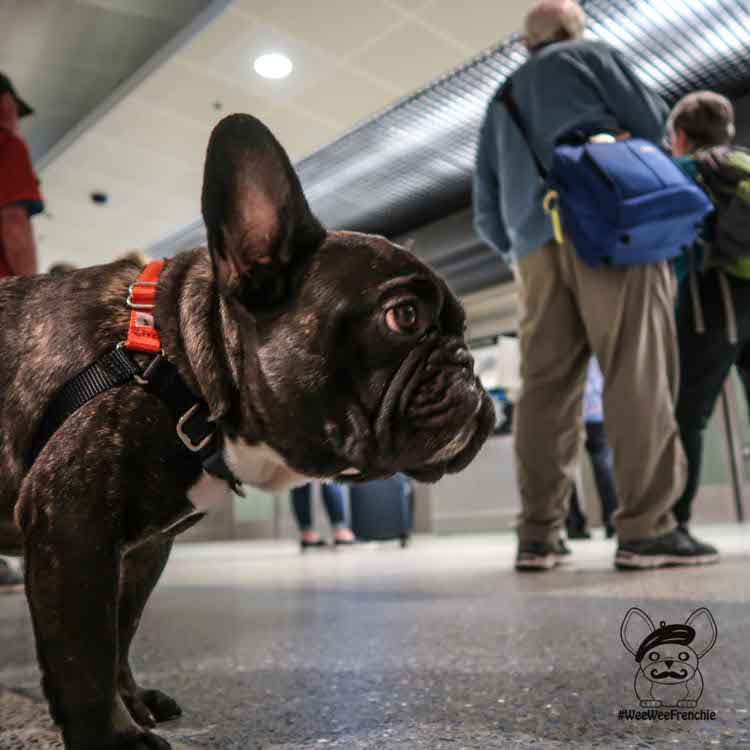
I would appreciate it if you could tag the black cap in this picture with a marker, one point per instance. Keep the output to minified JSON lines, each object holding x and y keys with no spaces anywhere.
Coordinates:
{"x":679,"y":634}
{"x":6,"y":86}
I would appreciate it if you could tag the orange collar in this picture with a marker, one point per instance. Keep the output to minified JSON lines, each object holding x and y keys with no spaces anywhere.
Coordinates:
{"x":142,"y":334}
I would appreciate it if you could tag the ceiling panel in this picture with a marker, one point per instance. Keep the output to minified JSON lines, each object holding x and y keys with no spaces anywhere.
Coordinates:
{"x":409,"y":5}
{"x":354,"y":96}
{"x":476,"y":30}
{"x":233,"y":61}
{"x":193,"y":92}
{"x":176,"y":135}
{"x":340,"y":27}
{"x":66,"y":56}
{"x":409,"y":56}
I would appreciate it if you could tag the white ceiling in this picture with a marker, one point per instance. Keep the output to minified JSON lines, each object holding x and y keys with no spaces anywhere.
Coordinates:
{"x":65,"y":56}
{"x":352,"y":58}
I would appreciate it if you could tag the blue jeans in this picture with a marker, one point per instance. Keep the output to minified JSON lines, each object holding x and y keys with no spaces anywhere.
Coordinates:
{"x":600,"y":455}
{"x":333,"y":499}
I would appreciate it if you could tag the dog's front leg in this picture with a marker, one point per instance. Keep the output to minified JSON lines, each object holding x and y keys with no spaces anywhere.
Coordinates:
{"x":72,"y":582}
{"x":141,"y":570}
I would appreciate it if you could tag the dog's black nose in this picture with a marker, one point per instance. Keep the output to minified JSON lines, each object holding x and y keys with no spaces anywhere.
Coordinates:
{"x":669,"y":664}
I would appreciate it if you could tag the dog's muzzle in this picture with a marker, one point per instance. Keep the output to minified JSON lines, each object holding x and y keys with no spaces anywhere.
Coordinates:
{"x":435,"y":414}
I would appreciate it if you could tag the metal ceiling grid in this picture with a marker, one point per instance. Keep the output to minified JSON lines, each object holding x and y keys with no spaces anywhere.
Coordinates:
{"x":411,"y":163}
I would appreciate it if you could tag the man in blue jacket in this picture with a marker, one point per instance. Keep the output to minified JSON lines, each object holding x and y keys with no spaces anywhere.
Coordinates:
{"x":622,"y":315}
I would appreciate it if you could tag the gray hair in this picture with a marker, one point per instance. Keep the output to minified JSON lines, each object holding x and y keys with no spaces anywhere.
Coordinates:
{"x":549,"y":20}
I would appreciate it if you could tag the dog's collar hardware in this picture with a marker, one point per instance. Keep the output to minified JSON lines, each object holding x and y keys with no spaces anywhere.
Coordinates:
{"x":187,"y":442}
{"x":195,"y":429}
{"x":130,"y":299}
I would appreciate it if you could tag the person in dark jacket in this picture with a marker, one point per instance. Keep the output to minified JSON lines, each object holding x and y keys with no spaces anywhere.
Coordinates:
{"x":623,"y":315}
{"x":713,"y":310}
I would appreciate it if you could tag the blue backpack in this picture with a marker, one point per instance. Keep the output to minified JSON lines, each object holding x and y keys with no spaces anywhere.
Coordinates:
{"x":621,"y":202}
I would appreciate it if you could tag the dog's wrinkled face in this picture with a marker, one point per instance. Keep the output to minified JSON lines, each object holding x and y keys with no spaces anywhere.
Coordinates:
{"x":354,"y":361}
{"x":368,"y":369}
{"x":670,"y":664}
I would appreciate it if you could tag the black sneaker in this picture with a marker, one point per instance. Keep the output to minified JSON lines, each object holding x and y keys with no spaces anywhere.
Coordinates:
{"x":674,"y":548}
{"x":562,"y":549}
{"x":10,"y":578}
{"x":577,"y":531}
{"x":537,"y":556}
{"x":702,"y":548}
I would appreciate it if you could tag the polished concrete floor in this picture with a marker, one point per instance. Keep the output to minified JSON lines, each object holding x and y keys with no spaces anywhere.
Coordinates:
{"x":438,"y":646}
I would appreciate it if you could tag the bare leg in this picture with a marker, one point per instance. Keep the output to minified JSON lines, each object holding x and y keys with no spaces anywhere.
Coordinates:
{"x":140,"y":572}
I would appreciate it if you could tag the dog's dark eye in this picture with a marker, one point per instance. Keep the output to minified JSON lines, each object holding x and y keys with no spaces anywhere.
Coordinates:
{"x":684,"y":655}
{"x":403,"y":318}
{"x":654,"y":656}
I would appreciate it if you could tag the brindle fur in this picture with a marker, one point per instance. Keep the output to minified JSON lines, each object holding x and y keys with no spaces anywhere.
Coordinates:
{"x":279,"y":329}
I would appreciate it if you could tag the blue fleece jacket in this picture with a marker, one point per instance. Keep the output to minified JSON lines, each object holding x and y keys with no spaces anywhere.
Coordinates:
{"x":563,"y":86}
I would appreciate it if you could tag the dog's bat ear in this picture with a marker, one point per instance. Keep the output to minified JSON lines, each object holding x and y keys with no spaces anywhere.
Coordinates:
{"x":636,"y":625}
{"x":706,"y":632}
{"x":256,"y":215}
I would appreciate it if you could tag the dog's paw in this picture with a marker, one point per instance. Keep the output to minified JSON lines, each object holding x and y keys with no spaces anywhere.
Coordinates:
{"x":151,"y":707}
{"x":83,"y":737}
{"x":687,"y":704}
{"x":650,"y":704}
{"x":147,"y":741}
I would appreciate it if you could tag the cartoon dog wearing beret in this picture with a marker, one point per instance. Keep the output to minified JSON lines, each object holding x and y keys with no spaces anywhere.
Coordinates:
{"x":668,"y":657}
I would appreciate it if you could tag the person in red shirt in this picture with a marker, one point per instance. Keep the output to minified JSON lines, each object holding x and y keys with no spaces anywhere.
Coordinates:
{"x":19,"y":188}
{"x":19,"y":201}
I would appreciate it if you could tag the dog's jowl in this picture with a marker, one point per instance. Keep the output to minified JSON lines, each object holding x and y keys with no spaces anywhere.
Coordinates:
{"x":309,"y":354}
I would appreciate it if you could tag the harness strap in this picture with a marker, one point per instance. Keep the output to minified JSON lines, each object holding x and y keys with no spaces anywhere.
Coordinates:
{"x":731,"y":316}
{"x":506,"y":96}
{"x":726,"y":298}
{"x":112,"y":369}
{"x":198,"y":433}
{"x":192,"y":416}
{"x":695,"y":296}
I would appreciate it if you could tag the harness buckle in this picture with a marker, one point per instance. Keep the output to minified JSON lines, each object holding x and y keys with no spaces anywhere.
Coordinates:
{"x":188,"y":443}
{"x":139,"y":305}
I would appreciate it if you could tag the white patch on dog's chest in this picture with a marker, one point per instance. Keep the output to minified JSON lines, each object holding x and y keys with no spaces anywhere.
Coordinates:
{"x":261,"y":466}
{"x":257,"y":465}
{"x":208,"y":492}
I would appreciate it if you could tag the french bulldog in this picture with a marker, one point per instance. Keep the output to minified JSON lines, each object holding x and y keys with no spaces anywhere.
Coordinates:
{"x":319,"y":354}
{"x":668,"y":657}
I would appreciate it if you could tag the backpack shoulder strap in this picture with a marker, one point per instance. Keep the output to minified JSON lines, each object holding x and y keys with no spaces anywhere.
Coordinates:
{"x":506,"y":96}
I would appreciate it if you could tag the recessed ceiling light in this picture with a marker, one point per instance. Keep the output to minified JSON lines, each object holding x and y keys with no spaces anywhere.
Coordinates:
{"x":273,"y":65}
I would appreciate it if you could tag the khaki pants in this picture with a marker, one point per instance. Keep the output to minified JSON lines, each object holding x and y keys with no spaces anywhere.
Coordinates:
{"x":625,"y":317}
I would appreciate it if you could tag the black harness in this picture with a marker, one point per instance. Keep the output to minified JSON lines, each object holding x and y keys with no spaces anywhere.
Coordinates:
{"x":198,"y":434}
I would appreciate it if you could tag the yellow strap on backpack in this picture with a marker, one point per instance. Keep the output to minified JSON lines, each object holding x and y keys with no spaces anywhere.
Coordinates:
{"x":552,"y":209}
